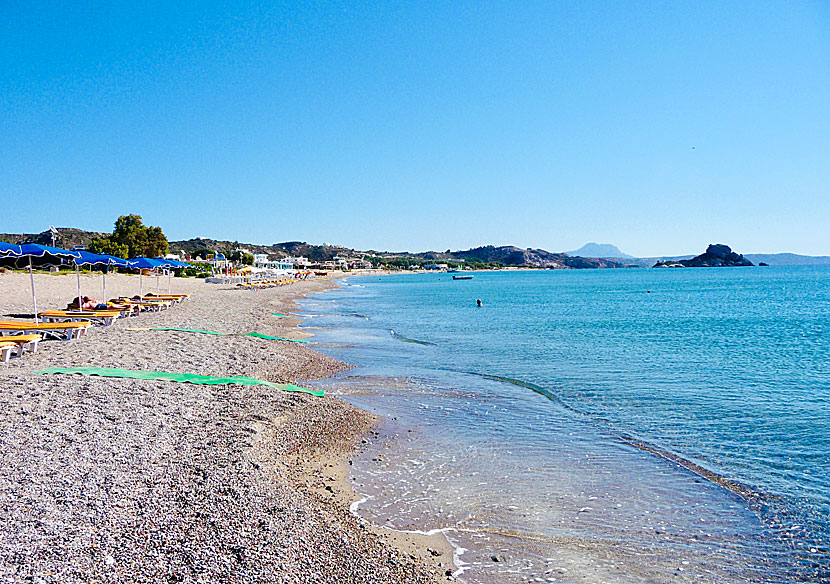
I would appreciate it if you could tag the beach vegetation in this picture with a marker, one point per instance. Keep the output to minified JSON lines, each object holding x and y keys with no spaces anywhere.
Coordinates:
{"x":106,"y":245}
{"x":131,"y":238}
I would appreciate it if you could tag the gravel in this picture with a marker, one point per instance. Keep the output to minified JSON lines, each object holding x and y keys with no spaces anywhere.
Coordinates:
{"x":120,"y":480}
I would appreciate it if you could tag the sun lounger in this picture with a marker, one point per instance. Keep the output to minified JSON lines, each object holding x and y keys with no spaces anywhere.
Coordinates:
{"x":174,"y":297}
{"x":6,"y":349}
{"x":134,"y":306}
{"x":62,"y":331}
{"x":126,"y":309}
{"x":22,"y":342}
{"x":102,"y":318}
{"x":149,"y":302}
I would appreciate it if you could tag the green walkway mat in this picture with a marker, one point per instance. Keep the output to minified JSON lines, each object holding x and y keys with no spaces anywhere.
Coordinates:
{"x":257,"y":335}
{"x":184,"y":330}
{"x":281,"y":315}
{"x":270,"y":338}
{"x":176,"y":377}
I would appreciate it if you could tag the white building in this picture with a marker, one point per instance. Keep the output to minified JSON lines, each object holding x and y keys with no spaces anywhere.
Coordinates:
{"x":298,"y":262}
{"x":261,"y":261}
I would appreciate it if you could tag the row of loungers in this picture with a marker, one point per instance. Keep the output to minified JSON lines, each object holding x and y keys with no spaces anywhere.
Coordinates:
{"x":16,"y":337}
{"x":269,"y":284}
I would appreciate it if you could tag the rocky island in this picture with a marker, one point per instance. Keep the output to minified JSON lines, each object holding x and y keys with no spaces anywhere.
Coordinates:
{"x":717,"y":255}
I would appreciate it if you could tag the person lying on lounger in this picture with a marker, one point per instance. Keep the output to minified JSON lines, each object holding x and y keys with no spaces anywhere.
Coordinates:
{"x":86,"y":303}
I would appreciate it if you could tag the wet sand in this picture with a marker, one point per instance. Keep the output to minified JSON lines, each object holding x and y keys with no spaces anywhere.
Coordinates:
{"x":116,"y":480}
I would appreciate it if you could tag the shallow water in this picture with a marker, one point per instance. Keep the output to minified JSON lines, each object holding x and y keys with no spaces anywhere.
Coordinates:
{"x":514,"y":426}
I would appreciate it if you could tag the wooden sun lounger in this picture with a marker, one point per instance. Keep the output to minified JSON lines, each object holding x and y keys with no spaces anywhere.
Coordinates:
{"x":62,"y":331}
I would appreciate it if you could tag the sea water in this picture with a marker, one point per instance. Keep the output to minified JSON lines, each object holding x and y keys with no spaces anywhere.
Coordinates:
{"x":596,"y":425}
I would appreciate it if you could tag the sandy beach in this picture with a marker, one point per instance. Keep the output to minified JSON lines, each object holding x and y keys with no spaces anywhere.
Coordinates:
{"x":121,"y":480}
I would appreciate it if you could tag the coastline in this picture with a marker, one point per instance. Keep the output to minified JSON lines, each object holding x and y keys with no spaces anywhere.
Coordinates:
{"x":139,"y":479}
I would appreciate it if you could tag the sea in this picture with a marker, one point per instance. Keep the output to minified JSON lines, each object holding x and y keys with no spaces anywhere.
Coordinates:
{"x":628,"y":425}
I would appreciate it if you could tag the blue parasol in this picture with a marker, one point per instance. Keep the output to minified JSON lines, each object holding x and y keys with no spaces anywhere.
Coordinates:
{"x":47,"y":255}
{"x":93,"y":259}
{"x":142,"y":263}
{"x":9,"y":249}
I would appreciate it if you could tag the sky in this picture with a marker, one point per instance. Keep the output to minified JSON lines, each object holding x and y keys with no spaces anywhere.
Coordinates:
{"x":660,"y":127}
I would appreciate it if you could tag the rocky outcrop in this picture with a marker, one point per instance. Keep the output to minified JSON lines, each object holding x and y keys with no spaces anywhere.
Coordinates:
{"x":717,"y":255}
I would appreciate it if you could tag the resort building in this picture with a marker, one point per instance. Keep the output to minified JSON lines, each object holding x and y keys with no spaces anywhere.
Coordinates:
{"x":261,"y":261}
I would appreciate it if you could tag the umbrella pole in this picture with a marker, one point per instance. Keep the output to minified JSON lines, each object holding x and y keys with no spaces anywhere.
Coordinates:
{"x":104,"y":285}
{"x":80,"y":298}
{"x":140,"y":285}
{"x":32,"y":280}
{"x":157,"y":283}
{"x":169,"y":277}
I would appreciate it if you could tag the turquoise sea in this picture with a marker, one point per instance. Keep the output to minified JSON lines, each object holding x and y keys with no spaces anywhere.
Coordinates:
{"x":596,"y":425}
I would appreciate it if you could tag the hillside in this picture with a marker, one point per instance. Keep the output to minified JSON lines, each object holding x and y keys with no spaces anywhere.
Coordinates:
{"x":538,"y":258}
{"x":315,"y":253}
{"x":68,"y":237}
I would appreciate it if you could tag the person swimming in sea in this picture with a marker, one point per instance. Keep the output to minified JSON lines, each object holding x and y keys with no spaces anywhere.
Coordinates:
{"x":478,"y":302}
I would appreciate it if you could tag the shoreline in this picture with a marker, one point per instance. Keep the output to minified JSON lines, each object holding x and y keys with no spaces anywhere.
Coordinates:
{"x":139,"y":479}
{"x":328,"y":473}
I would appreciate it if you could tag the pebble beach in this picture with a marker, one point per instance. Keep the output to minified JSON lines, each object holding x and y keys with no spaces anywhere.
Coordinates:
{"x":131,"y":480}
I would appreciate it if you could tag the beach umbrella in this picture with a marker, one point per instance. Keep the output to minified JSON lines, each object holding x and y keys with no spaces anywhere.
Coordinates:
{"x":86,"y":258}
{"x":166,"y":265}
{"x":102,"y":260}
{"x":46,"y":255}
{"x":114,"y":262}
{"x":9,"y":249}
{"x":142,"y":263}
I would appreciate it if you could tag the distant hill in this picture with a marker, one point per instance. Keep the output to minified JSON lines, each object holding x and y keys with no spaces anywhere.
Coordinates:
{"x":514,"y":256}
{"x":68,"y":237}
{"x":787,"y":259}
{"x":598,"y":250}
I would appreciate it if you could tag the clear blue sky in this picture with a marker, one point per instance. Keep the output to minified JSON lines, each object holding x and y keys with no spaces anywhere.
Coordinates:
{"x":660,"y":127}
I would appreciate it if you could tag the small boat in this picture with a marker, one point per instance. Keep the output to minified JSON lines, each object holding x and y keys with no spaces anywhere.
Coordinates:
{"x":462,"y":277}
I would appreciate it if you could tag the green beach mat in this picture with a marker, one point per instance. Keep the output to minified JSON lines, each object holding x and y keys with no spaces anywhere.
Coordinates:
{"x":176,"y":377}
{"x":184,"y":330}
{"x":258,"y":335}
{"x":281,"y":315}
{"x":270,"y":338}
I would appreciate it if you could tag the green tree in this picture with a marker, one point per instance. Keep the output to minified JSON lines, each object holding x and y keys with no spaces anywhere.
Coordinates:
{"x":106,"y":245}
{"x":156,"y":243}
{"x":248,"y":259}
{"x":140,"y":240}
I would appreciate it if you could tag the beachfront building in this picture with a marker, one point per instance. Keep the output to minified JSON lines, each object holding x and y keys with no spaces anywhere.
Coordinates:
{"x":360,"y":264}
{"x":261,"y":261}
{"x":444,"y":267}
{"x":298,"y":262}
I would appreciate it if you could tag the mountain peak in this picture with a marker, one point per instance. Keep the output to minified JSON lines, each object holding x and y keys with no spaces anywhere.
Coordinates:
{"x":598,"y":250}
